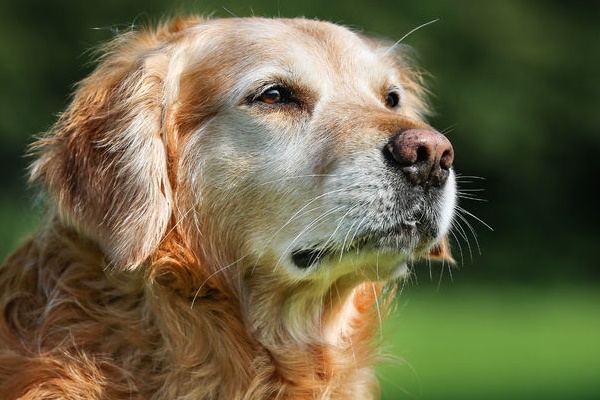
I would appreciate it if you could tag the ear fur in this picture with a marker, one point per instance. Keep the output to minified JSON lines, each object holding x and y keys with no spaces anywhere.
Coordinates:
{"x":104,"y":163}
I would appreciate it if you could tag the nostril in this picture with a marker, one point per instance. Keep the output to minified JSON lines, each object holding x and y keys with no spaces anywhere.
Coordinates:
{"x":422,"y":154}
{"x":447,"y":159}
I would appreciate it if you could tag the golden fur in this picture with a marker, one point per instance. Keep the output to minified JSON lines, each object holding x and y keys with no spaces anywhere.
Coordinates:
{"x":176,"y":193}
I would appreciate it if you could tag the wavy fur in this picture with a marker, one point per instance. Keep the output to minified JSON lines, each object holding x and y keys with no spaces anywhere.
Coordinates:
{"x":158,"y":272}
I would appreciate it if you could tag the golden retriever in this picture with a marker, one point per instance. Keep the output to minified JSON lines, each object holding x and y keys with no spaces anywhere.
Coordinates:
{"x":228,"y":203}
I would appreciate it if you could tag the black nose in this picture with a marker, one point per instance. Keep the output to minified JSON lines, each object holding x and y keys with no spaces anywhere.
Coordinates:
{"x":424,"y":156}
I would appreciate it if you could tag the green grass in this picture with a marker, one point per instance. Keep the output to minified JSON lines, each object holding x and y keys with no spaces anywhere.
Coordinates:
{"x":494,"y":343}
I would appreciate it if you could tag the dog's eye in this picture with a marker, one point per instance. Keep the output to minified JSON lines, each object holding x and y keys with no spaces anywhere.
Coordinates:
{"x":392,"y":99}
{"x":276,"y":95}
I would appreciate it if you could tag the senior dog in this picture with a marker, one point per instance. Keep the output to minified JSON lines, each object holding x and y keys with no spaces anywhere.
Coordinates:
{"x":229,"y":204}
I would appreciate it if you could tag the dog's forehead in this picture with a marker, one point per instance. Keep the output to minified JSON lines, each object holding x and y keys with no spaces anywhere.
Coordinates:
{"x":282,"y":33}
{"x":292,"y":46}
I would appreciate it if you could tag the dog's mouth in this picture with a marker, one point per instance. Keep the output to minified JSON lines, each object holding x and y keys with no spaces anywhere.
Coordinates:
{"x":304,"y":258}
{"x":408,"y":239}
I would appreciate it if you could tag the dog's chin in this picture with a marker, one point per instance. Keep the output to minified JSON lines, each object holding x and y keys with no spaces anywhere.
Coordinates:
{"x":374,"y":255}
{"x":369,"y":263}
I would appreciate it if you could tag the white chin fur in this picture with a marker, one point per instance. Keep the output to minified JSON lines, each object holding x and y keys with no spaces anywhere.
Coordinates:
{"x":448,"y":205}
{"x":401,"y":271}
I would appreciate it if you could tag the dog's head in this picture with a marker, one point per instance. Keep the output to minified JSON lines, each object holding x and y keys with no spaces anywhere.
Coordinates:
{"x":293,"y":145}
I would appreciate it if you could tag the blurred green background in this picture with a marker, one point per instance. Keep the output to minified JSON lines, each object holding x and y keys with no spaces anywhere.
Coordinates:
{"x":516,"y":85}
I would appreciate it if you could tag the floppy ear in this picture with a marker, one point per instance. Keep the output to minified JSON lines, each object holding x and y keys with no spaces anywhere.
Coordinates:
{"x":104,"y":163}
{"x":441,"y":251}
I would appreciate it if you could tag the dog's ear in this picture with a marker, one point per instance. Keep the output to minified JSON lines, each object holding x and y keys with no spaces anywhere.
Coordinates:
{"x":441,"y":251}
{"x":104,"y":163}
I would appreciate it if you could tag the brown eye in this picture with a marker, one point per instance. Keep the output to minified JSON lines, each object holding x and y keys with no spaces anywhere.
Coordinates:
{"x":271,"y":96}
{"x":275,"y":95}
{"x":392,"y":99}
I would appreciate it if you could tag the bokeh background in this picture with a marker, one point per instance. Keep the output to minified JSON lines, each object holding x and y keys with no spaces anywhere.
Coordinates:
{"x":516,"y":86}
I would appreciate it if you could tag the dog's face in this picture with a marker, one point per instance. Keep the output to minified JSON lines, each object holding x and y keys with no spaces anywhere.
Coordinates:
{"x":289,"y":145}
{"x":293,"y":166}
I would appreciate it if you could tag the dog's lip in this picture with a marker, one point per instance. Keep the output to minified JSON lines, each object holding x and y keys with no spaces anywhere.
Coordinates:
{"x":306,"y":257}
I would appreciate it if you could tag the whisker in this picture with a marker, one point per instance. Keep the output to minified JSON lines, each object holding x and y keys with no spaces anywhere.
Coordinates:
{"x":430,"y":265}
{"x":176,"y":224}
{"x":310,"y":226}
{"x":463,"y":234}
{"x":460,"y":250}
{"x":358,"y":226}
{"x":345,"y":239}
{"x":298,"y":213}
{"x":473,"y":233}
{"x":449,"y":267}
{"x":463,"y":211}
{"x":468,"y":181}
{"x":461,"y":176}
{"x":264,"y":248}
{"x":408,"y":34}
{"x":217,"y":272}
{"x":357,"y":230}
{"x":445,"y":266}
{"x":310,"y":202}
{"x":448,"y":130}
{"x":330,"y":239}
{"x":377,"y":306}
{"x":229,"y":12}
{"x":414,"y":279}
{"x":471,"y":197}
{"x":439,"y":285}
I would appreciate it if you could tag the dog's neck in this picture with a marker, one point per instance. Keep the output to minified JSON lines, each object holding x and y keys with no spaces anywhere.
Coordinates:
{"x":300,"y":339}
{"x":204,"y":337}
{"x":321,"y":339}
